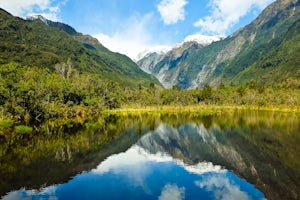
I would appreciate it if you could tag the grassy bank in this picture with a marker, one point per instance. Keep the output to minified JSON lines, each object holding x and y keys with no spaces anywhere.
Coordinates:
{"x":201,"y":110}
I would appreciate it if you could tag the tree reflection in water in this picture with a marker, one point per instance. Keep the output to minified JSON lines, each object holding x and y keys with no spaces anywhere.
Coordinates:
{"x":163,"y":155}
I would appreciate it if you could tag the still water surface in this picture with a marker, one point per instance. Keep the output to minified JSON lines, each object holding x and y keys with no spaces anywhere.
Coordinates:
{"x":242,"y":155}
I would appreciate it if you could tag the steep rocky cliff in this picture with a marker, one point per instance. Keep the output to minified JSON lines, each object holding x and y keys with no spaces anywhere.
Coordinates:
{"x":164,"y":65}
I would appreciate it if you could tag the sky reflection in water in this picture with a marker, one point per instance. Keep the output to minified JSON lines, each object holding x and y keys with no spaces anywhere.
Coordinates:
{"x":137,"y":174}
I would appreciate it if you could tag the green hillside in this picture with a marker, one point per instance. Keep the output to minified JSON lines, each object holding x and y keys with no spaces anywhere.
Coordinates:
{"x":279,"y":64}
{"x":267,"y":50}
{"x":33,"y":43}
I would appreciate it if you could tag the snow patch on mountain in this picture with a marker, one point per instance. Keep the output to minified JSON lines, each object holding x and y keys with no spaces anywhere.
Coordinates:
{"x":37,"y":17}
{"x":202,"y":39}
{"x":160,"y":49}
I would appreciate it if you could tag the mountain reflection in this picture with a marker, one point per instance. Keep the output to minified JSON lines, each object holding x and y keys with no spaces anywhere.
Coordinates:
{"x":191,"y":143}
{"x":254,"y":151}
{"x":140,"y":174}
{"x":242,"y":156}
{"x":163,"y":164}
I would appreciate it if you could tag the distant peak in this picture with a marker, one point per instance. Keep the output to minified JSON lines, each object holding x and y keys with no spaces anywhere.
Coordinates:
{"x":58,"y":25}
{"x":37,"y":17}
{"x":202,"y":39}
{"x":160,"y":49}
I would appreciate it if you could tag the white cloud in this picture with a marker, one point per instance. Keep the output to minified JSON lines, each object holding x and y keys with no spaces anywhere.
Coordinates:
{"x":172,"y":192}
{"x":18,"y":7}
{"x":222,"y":188}
{"x":172,"y":11}
{"x":49,"y":191}
{"x":227,"y":13}
{"x":130,"y":46}
{"x":132,"y":38}
{"x":32,"y":7}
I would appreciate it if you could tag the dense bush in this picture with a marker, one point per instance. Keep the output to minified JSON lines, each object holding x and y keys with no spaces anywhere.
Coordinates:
{"x":34,"y":94}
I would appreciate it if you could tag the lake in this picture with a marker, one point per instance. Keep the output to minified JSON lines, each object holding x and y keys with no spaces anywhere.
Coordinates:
{"x":234,"y":155}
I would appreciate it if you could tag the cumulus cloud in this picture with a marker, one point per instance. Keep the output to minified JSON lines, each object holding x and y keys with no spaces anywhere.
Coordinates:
{"x":30,"y":7}
{"x":130,"y":46}
{"x":226,"y":13}
{"x":172,"y":192}
{"x":222,"y":188}
{"x":172,"y":11}
{"x":132,"y":38}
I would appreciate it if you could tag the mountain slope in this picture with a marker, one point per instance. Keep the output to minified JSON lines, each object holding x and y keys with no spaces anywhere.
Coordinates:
{"x":44,"y":44}
{"x":269,"y":33}
{"x":245,"y":55}
{"x":279,"y":64}
{"x":162,"y":65}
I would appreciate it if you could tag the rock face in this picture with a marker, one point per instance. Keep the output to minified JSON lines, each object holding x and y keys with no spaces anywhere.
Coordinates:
{"x":254,"y":52}
{"x":164,"y":65}
{"x":149,"y":62}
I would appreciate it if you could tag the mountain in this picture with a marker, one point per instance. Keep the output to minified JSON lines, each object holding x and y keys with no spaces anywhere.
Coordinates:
{"x":161,"y":64}
{"x":61,"y":26}
{"x":163,"y":49}
{"x":43,"y":43}
{"x":266,"y":51}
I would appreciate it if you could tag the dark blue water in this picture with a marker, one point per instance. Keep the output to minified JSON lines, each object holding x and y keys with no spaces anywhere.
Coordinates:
{"x":137,"y":174}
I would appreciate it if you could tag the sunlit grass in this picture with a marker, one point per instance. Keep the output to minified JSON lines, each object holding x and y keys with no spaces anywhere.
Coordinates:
{"x":186,"y":110}
{"x":201,"y":110}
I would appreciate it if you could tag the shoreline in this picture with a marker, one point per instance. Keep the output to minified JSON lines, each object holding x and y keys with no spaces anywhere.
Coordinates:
{"x":200,"y":109}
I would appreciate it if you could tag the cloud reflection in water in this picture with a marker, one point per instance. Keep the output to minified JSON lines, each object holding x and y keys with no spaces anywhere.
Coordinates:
{"x":139,"y":174}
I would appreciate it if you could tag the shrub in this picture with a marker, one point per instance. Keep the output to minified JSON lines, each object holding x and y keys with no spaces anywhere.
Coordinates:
{"x":6,"y":123}
{"x":23,"y":129}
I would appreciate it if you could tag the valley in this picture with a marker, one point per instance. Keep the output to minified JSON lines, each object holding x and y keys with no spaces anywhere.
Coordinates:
{"x":255,"y":52}
{"x":211,"y":117}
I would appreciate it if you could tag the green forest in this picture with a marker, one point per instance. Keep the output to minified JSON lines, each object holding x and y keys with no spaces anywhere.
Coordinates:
{"x":33,"y":94}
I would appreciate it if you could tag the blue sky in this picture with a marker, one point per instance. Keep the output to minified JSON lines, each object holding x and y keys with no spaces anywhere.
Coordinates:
{"x":131,"y":26}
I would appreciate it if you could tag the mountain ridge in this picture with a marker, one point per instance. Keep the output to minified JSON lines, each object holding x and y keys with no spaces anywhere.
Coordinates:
{"x":36,"y":43}
{"x":225,"y":61}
